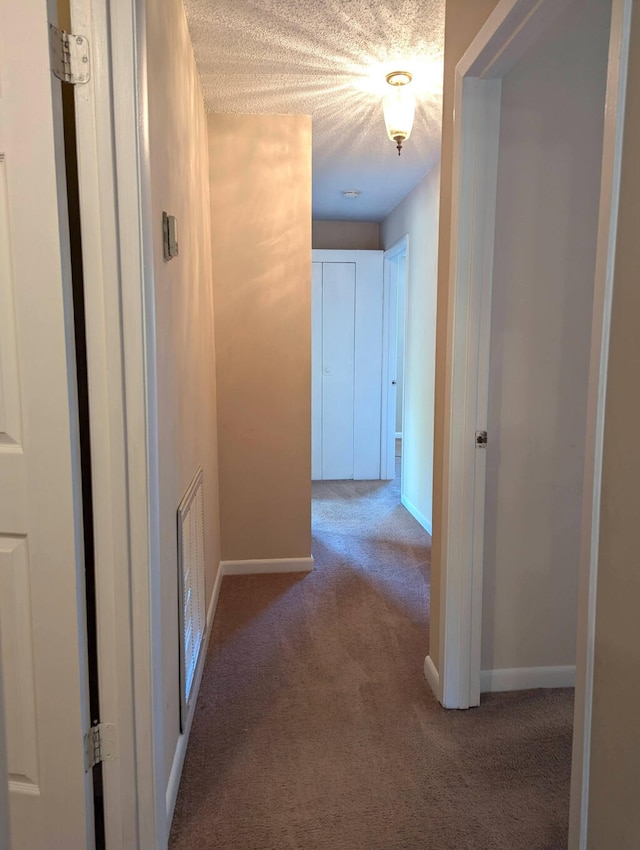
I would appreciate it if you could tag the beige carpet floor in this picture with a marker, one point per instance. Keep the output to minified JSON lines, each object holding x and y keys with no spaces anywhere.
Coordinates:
{"x":315,"y":728}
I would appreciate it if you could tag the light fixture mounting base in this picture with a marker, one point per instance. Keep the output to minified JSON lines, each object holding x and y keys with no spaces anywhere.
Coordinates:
{"x":399,"y":78}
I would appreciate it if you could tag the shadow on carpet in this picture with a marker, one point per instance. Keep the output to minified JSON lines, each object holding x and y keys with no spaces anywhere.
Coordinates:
{"x":315,"y":728}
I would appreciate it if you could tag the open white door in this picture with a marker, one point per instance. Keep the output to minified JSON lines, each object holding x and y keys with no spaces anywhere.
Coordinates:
{"x":390,"y":385}
{"x":42,"y":620}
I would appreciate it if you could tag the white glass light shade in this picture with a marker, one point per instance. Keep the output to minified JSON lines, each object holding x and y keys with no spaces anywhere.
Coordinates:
{"x":399,"y":107}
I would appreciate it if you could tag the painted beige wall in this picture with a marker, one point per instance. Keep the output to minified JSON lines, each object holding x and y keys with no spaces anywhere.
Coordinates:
{"x":614,"y":814}
{"x":261,"y":246}
{"x":417,"y":216}
{"x":463,"y":20}
{"x":184,"y":316}
{"x":346,"y":235}
{"x":544,"y":267}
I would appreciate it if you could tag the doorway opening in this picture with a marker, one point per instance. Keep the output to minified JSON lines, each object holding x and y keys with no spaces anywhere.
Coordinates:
{"x":358,"y":363}
{"x":359,"y":518}
{"x":526,"y":381}
{"x":537,"y":175}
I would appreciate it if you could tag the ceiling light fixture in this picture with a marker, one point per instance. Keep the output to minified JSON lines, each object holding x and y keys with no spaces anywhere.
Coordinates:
{"x":399,"y":107}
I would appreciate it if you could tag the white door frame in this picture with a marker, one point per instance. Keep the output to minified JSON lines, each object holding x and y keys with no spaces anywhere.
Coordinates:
{"x":505,"y":37}
{"x":5,"y":838}
{"x":113,"y":164}
{"x":389,"y":356}
{"x":603,"y":294}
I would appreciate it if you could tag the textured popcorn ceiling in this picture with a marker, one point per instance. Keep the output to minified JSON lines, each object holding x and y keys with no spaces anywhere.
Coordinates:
{"x":328,"y":59}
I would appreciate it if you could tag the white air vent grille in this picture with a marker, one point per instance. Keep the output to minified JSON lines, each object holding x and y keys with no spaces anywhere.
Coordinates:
{"x":191,"y":588}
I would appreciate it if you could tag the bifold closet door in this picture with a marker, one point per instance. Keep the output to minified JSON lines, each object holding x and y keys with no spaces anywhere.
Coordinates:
{"x":346,"y":385}
{"x":338,"y":365}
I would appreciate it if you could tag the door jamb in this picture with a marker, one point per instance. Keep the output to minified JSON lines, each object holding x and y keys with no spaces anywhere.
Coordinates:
{"x":504,"y":38}
{"x":603,"y":295}
{"x":4,"y":786}
{"x":114,"y":177}
{"x":389,"y":358}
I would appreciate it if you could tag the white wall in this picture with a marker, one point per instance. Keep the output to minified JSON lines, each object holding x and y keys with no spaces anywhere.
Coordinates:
{"x":184,"y":317}
{"x":417,"y":216}
{"x":548,"y":193}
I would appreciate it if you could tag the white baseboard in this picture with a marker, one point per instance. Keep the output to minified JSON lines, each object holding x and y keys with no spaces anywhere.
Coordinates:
{"x":416,"y":514}
{"x":267,"y":565}
{"x":526,"y":678}
{"x":432,"y":676}
{"x":181,"y":747}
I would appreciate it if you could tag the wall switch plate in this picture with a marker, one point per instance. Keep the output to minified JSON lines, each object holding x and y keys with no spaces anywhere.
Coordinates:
{"x":170,"y":233}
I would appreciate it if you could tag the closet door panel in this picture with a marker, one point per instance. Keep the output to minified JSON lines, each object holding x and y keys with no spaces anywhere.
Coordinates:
{"x":316,"y":371}
{"x":368,"y":365}
{"x":338,"y":343}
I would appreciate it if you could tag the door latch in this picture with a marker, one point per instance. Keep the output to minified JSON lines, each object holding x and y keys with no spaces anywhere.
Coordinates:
{"x":481,"y":439}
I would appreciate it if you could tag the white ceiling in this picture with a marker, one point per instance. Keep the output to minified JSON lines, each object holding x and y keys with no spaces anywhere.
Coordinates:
{"x":328,"y":59}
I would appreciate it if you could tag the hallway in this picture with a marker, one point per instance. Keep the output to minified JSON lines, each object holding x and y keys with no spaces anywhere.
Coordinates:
{"x":315,"y":727}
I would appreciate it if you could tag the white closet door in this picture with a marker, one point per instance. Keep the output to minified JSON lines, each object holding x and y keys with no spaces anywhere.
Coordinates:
{"x":338,"y":350}
{"x":368,"y":365}
{"x":316,"y":371}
